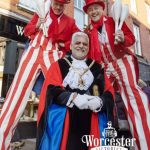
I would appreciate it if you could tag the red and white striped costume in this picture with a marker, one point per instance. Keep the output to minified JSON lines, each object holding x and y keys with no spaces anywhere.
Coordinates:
{"x":39,"y":57}
{"x":121,"y":66}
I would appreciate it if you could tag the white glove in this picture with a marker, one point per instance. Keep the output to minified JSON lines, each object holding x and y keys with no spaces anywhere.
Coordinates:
{"x":95,"y":104}
{"x":81,"y":101}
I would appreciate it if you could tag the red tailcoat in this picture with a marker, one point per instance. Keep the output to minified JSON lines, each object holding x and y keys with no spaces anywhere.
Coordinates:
{"x":120,"y":49}
{"x":121,"y":66}
{"x":66,"y":28}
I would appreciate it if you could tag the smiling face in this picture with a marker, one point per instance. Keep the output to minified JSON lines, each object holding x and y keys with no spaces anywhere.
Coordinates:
{"x":57,"y":7}
{"x":80,"y":47}
{"x":95,"y":12}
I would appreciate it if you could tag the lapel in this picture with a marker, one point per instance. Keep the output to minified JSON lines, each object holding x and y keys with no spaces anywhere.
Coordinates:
{"x":62,"y":23}
{"x":110,"y":29}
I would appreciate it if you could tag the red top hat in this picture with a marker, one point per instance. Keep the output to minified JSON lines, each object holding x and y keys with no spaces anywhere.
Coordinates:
{"x":90,"y":2}
{"x":64,"y":1}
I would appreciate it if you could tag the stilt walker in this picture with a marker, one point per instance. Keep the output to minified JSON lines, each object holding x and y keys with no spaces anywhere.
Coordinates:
{"x":122,"y":66}
{"x":42,"y":52}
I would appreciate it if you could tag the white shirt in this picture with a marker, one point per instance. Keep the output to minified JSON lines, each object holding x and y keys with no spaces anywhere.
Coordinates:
{"x":79,"y":76}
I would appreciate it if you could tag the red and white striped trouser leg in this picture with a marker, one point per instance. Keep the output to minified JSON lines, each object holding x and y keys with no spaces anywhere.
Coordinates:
{"x":32,"y":62}
{"x":47,"y":58}
{"x":135,"y":101}
{"x":18,"y":95}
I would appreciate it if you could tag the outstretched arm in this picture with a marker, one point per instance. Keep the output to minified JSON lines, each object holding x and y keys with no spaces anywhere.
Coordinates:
{"x":31,"y":28}
{"x":127,"y":38}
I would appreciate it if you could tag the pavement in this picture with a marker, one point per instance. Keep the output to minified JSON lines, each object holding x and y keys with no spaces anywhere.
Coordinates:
{"x":28,"y":144}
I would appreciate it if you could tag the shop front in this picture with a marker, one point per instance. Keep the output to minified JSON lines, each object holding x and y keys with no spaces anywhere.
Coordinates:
{"x":12,"y":44}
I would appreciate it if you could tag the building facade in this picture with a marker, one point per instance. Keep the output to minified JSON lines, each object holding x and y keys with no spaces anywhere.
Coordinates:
{"x":140,"y":15}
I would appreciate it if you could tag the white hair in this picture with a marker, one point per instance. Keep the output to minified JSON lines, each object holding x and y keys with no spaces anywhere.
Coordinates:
{"x":74,"y":36}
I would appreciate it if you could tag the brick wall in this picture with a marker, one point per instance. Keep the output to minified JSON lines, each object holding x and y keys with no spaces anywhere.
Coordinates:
{"x":69,"y":10}
{"x":11,"y":5}
{"x":144,"y":37}
{"x":145,"y":40}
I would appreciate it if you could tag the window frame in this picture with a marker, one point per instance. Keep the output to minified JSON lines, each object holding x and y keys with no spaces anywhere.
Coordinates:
{"x":80,"y":9}
{"x":133,"y":6}
{"x":22,"y":5}
{"x":137,"y":45}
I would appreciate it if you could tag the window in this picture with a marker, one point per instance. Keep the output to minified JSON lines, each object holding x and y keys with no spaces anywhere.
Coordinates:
{"x":27,"y":4}
{"x":133,"y":6}
{"x":148,"y":12}
{"x":79,"y":15}
{"x":136,"y":30}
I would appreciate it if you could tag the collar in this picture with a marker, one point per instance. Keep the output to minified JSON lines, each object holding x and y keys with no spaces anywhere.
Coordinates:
{"x":76,"y":60}
{"x":105,"y":19}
